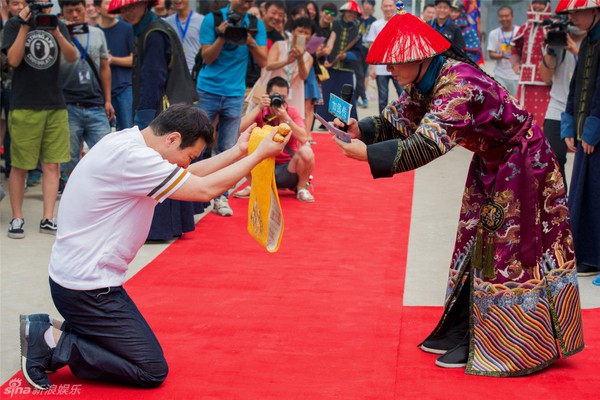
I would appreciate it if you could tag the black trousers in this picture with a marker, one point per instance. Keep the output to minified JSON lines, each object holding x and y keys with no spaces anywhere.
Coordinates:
{"x":107,"y":338}
{"x":558,"y":145}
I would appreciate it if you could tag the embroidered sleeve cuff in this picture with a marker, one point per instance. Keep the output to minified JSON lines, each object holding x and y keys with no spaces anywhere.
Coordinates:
{"x":567,"y":126}
{"x":367,"y":128}
{"x":591,"y":130}
{"x":381,"y":158}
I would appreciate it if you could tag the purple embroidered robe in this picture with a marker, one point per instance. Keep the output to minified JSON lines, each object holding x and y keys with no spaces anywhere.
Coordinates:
{"x":528,"y":314}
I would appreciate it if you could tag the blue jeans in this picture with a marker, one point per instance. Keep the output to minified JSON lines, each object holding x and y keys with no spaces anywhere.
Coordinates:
{"x":122,"y":104}
{"x":106,"y":338}
{"x":383,"y":83}
{"x":229,"y":110}
{"x":89,"y":124}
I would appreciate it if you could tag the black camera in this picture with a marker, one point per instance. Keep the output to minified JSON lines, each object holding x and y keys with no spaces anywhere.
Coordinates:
{"x":235,"y":33}
{"x":39,"y":20}
{"x":277,"y":100}
{"x":557,"y":31}
{"x":78,"y":29}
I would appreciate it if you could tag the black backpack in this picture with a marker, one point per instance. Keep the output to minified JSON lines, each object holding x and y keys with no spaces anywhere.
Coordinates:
{"x":218,"y":16}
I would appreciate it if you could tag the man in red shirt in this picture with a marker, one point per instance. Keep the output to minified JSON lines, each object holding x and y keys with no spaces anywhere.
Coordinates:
{"x":294,"y":166}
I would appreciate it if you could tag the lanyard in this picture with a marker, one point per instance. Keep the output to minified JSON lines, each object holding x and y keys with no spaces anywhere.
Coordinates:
{"x":183,"y":30}
{"x":512,"y":33}
{"x":80,"y":47}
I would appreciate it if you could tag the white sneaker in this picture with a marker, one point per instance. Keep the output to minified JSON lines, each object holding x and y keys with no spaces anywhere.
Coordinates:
{"x":15,"y":228}
{"x":242,"y":194}
{"x":221,"y":207}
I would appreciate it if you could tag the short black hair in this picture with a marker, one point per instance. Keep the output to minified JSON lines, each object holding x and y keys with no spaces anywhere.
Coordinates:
{"x":191,"y":122}
{"x":277,"y":3}
{"x":428,"y":5}
{"x":303,"y":22}
{"x":63,"y":3}
{"x":329,"y":7}
{"x":277,"y":81}
{"x":506,"y":8}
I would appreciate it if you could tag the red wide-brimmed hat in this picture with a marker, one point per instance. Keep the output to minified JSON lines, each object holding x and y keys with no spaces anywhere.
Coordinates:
{"x":406,"y":38}
{"x":115,"y":5}
{"x":352,"y":6}
{"x":572,"y":5}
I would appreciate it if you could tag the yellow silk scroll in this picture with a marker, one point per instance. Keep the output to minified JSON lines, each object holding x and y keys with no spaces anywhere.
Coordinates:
{"x":265,"y":219}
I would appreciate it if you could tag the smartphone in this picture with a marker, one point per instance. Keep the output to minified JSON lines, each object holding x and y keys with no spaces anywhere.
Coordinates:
{"x":300,"y":43}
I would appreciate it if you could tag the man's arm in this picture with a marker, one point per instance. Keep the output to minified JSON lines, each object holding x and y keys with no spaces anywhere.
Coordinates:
{"x":259,"y":53}
{"x":105,"y":80}
{"x":66,"y":47}
{"x":16,"y":51}
{"x":126,"y":61}
{"x":251,"y":116}
{"x":207,"y":187}
{"x":217,"y":162}
{"x":212,"y":39}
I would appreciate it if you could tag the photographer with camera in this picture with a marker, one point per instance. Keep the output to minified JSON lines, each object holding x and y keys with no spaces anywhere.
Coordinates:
{"x":221,"y":83}
{"x":86,"y":83}
{"x":33,"y":42}
{"x":556,"y":69}
{"x":294,"y":166}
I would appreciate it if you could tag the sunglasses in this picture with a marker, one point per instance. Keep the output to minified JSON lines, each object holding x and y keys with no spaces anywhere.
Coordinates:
{"x":329,"y":12}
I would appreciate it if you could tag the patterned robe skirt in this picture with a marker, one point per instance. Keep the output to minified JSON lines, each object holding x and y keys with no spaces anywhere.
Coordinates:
{"x":528,"y":314}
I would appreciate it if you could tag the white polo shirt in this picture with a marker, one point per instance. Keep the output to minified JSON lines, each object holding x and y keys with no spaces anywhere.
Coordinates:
{"x":106,"y":210}
{"x":374,"y":30}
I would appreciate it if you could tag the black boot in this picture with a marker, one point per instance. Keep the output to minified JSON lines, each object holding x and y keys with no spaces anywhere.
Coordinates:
{"x":454,"y":327}
{"x":456,"y":357}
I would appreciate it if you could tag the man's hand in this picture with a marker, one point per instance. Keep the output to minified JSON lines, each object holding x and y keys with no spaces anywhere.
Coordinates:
{"x":242,"y":142}
{"x":265,"y":101}
{"x":356,"y":149}
{"x":570,"y":142}
{"x":587,"y":148}
{"x":281,"y":113}
{"x":250,"y":41}
{"x":220,"y":30}
{"x":571,"y":46}
{"x":352,"y":127}
{"x":110,"y":111}
{"x":23,"y":16}
{"x":269,"y":147}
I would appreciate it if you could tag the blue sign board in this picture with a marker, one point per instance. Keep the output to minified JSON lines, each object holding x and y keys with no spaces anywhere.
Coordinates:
{"x":339,"y":108}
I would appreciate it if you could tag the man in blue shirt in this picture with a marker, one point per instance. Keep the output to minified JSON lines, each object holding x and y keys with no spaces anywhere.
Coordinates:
{"x":119,"y":39}
{"x":222,"y":80}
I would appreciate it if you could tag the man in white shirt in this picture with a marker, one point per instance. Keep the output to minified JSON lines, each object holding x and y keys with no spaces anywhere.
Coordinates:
{"x":105,"y":215}
{"x":499,"y":49}
{"x":380,"y":72}
{"x":186,"y":23}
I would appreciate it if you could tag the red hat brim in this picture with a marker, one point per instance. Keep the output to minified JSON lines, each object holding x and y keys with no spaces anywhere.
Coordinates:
{"x":406,"y":38}
{"x":352,"y":6}
{"x":115,"y":5}
{"x":572,"y":5}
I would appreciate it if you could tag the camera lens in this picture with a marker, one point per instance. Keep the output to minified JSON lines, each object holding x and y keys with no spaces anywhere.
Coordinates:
{"x":276,"y":100}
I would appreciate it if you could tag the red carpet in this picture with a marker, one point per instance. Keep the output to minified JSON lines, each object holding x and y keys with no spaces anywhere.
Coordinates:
{"x":320,"y":319}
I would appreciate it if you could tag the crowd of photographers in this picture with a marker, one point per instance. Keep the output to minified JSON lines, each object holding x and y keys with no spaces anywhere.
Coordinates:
{"x":67,"y":79}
